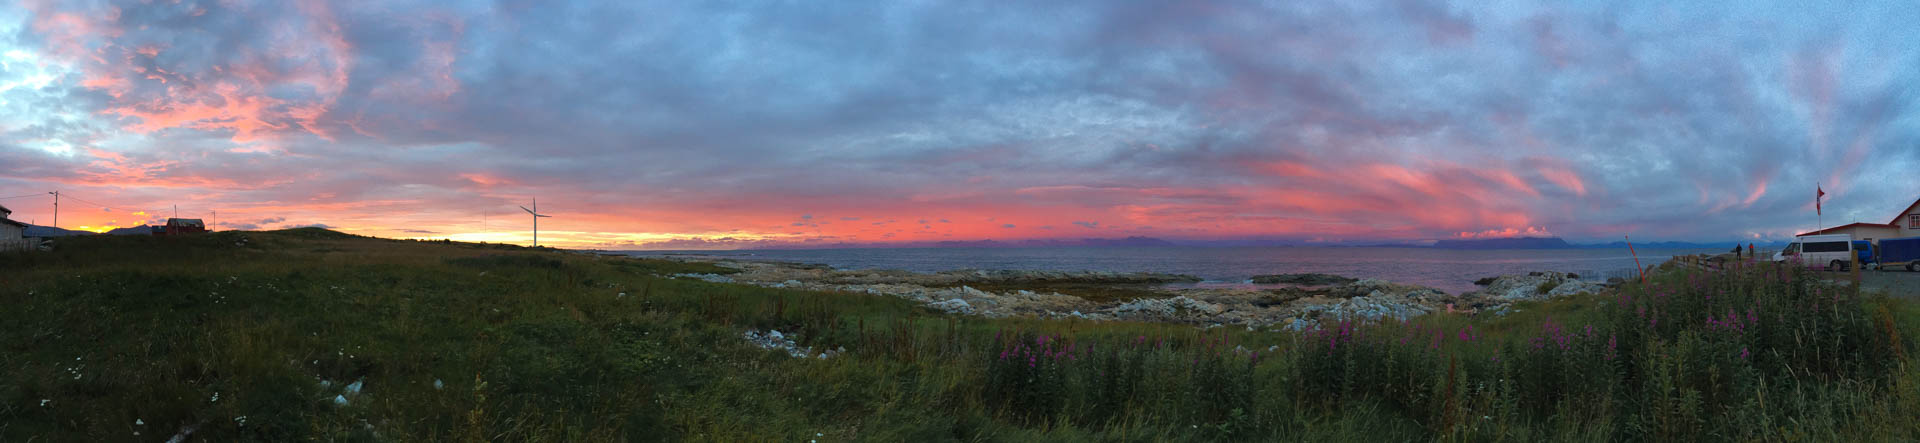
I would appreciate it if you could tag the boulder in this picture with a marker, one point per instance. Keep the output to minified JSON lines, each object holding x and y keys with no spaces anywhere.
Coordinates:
{"x":954,"y":306}
{"x":1571,"y":287}
{"x":1507,"y":288}
{"x":1165,"y":308}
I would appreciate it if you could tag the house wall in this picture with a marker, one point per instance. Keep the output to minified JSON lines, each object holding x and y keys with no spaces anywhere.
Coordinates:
{"x":1870,"y":233}
{"x":10,"y":238}
{"x":1905,"y":222}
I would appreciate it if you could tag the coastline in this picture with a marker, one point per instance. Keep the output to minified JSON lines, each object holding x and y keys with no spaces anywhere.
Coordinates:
{"x":1151,"y":297}
{"x":1452,"y":271}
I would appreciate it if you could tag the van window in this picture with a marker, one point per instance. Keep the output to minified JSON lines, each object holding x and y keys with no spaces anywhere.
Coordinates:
{"x":1827,"y":246}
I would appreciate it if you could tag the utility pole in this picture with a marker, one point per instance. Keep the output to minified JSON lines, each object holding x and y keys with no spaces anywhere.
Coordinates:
{"x":56,"y":208}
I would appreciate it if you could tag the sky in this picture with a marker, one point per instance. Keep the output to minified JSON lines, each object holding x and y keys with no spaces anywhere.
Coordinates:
{"x":684,"y":125}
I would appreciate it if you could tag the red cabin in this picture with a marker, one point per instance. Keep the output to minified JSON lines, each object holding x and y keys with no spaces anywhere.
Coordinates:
{"x":179,"y":226}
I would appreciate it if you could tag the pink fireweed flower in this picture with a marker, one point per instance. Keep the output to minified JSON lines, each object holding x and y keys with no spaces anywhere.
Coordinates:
{"x":1610,"y":347}
{"x":1743,"y":352}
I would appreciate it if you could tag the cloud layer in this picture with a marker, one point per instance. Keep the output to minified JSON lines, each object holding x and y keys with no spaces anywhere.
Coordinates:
{"x":744,"y":124}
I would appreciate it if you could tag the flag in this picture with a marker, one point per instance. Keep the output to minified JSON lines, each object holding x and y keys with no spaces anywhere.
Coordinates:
{"x":1816,"y":198}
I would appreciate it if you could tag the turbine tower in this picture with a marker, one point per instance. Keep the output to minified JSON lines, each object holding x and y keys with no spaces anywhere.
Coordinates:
{"x":536,"y":220}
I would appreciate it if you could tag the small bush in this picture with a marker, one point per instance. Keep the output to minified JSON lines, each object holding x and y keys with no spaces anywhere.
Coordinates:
{"x":1546,"y":286}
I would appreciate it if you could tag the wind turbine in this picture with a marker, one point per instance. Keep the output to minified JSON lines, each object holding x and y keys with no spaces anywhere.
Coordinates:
{"x":536,"y":220}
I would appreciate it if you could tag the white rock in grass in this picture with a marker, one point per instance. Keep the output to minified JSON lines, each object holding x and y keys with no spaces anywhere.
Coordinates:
{"x":954,"y":306}
{"x":340,"y":400}
{"x":139,"y":422}
{"x":437,"y":385}
{"x":355,"y":387}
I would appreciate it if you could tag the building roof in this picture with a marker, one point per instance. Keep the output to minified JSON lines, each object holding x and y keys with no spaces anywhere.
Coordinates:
{"x":1903,"y":213}
{"x":1849,"y":225}
{"x":3,"y":217}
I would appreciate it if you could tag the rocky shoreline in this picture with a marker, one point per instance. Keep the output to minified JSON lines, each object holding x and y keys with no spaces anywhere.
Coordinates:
{"x":1147,"y":296}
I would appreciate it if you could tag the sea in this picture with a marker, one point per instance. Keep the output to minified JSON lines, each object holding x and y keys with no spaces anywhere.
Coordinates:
{"x":1449,"y":270}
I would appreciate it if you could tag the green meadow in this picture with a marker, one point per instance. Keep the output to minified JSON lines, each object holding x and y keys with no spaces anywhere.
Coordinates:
{"x":310,"y":334}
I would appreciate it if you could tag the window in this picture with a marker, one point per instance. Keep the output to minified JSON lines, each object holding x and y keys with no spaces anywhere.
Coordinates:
{"x":1827,"y":246}
{"x":1913,"y":221}
{"x":1792,"y":248}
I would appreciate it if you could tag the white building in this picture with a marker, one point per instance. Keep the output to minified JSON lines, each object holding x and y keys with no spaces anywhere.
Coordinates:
{"x":12,"y":233}
{"x":1906,"y":224}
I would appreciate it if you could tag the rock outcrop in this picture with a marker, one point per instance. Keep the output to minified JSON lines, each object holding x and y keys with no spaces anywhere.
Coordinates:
{"x":1039,"y":294}
{"x":1535,"y":286}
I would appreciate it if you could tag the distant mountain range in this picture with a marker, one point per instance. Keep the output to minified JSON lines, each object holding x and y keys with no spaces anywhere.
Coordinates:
{"x":1135,"y":241}
{"x":1139,"y":241}
{"x":132,"y":230}
{"x":49,"y":231}
{"x":1505,"y":243}
{"x":1557,"y":243}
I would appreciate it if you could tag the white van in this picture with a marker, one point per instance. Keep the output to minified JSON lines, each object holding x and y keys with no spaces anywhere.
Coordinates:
{"x":1833,"y":250}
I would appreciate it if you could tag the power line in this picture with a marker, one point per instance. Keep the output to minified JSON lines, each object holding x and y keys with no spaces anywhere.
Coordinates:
{"x":121,"y":208}
{"x":21,"y":196}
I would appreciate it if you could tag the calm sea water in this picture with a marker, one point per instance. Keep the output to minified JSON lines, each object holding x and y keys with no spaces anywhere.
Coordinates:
{"x":1450,"y":270}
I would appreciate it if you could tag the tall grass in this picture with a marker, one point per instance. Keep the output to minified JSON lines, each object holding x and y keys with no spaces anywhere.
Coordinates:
{"x":537,"y":345}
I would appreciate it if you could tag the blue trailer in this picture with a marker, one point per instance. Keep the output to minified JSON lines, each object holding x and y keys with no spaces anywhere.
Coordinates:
{"x":1900,"y":252}
{"x":1863,"y":250}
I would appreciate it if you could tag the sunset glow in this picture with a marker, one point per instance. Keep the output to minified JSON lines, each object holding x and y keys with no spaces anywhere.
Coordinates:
{"x":692,"y":126}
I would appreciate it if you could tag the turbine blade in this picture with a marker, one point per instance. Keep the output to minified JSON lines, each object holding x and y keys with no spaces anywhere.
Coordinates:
{"x":529,"y":211}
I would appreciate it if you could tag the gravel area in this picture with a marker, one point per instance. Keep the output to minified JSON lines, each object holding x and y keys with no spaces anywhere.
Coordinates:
{"x":1900,"y":283}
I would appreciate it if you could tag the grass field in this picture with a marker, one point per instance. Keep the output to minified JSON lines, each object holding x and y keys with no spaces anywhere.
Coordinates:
{"x":138,"y":338}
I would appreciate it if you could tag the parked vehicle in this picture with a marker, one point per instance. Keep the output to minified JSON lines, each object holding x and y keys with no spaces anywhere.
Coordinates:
{"x":1834,"y":250}
{"x":1864,"y":250}
{"x":1900,"y":252}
